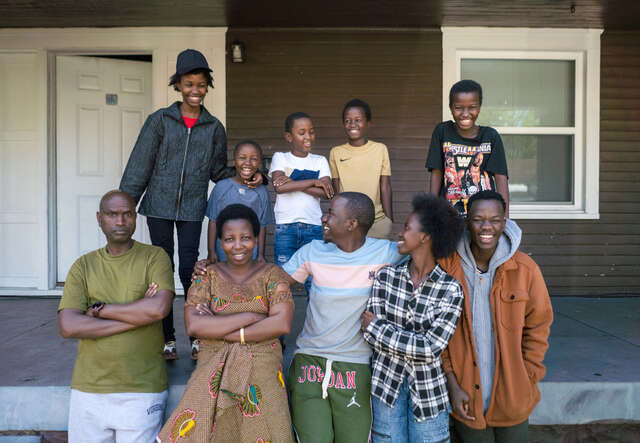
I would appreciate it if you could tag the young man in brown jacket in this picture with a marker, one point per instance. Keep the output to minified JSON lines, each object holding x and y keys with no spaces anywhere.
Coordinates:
{"x":494,"y":359}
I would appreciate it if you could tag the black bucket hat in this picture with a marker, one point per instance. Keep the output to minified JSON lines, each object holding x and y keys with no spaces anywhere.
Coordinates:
{"x":190,"y":60}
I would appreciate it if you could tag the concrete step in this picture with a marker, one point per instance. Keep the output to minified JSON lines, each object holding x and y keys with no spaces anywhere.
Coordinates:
{"x":562,"y":403}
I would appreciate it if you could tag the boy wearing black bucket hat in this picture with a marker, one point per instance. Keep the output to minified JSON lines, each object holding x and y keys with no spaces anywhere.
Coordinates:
{"x":179,"y":149}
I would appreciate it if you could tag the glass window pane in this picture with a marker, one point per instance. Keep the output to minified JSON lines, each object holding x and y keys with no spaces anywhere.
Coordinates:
{"x":540,"y":168}
{"x":524,"y":92}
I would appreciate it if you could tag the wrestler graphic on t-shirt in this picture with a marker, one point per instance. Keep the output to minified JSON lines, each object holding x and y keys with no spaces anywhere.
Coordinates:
{"x":451,"y":177}
{"x":474,"y":179}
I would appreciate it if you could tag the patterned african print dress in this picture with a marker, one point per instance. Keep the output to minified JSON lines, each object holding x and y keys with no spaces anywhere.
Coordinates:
{"x":236,"y":393}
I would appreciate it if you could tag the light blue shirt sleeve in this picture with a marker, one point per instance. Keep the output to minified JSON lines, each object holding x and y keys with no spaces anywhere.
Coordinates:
{"x":393,"y":255}
{"x":299,"y":264}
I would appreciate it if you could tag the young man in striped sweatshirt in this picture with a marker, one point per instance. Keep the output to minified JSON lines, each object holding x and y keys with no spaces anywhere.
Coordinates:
{"x":330,"y":376}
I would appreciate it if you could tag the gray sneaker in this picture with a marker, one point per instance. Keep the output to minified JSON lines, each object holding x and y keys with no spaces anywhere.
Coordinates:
{"x":169,"y":351}
{"x":195,"y":349}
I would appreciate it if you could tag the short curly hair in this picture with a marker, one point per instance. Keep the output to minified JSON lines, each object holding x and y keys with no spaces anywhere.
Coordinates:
{"x":357,"y":103}
{"x":465,"y":86}
{"x":291,"y":119}
{"x":487,"y":194}
{"x":250,"y":143}
{"x":237,"y":212}
{"x":360,"y":207}
{"x":441,"y":221}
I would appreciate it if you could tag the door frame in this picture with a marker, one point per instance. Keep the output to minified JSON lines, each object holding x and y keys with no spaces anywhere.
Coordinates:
{"x":52,"y":151}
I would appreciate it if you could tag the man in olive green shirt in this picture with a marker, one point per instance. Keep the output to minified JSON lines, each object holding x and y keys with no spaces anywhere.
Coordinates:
{"x":114,"y":299}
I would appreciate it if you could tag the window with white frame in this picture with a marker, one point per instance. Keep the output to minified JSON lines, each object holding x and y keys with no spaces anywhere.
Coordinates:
{"x":541,"y":92}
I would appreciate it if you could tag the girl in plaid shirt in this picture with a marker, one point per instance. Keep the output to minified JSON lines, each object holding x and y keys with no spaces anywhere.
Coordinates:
{"x":411,"y":315}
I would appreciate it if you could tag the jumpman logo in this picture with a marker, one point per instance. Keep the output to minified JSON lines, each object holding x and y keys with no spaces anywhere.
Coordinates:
{"x":353,"y":401}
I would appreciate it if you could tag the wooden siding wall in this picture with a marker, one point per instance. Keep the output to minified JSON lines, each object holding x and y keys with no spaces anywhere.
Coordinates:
{"x":399,"y":74}
{"x":602,"y":257}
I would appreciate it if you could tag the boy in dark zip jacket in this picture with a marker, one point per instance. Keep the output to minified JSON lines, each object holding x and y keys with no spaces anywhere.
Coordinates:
{"x":179,"y":149}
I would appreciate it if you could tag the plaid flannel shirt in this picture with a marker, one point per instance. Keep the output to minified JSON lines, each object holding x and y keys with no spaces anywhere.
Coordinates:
{"x":411,"y":328}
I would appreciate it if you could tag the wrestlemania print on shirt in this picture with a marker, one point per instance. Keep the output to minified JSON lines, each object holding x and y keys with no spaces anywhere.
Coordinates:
{"x":468,"y":165}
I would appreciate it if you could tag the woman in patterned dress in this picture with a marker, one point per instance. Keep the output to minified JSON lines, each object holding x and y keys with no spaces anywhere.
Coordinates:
{"x":238,"y":309}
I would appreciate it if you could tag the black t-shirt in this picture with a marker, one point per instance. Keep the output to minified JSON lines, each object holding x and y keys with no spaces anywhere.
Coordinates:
{"x":468,"y":165}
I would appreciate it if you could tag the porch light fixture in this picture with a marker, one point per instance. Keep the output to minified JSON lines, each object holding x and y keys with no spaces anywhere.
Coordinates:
{"x":238,"y":52}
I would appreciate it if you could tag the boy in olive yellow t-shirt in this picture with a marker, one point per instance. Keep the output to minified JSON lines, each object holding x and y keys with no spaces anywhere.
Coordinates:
{"x":362,"y":165}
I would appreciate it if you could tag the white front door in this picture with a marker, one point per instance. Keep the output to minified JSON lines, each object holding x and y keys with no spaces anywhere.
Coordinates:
{"x":101,"y":106}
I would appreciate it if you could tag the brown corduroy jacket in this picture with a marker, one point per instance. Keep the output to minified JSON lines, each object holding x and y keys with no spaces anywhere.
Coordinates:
{"x":522,"y":315}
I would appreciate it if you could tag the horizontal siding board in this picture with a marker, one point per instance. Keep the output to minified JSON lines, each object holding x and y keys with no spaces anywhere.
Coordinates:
{"x":581,"y":239}
{"x":620,"y":81}
{"x":628,"y":181}
{"x":617,"y":146}
{"x":626,"y":135}
{"x":624,"y":157}
{"x":585,"y":228}
{"x":631,"y":187}
{"x":615,"y":217}
{"x":618,"y":197}
{"x":618,"y":114}
{"x":621,"y":125}
{"x":608,"y":206}
{"x":583,"y":260}
{"x":621,"y":271}
{"x":623,"y":167}
{"x":608,"y":283}
{"x":628,"y":99}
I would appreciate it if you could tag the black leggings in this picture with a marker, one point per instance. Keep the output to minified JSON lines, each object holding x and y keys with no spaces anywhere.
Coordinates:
{"x":161,"y":231}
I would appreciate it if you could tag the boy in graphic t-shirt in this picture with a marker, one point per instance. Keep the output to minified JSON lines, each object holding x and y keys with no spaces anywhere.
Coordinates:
{"x":300,"y":180}
{"x":465,"y":158}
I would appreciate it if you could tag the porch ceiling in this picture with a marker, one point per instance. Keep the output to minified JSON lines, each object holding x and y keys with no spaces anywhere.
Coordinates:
{"x":608,"y":14}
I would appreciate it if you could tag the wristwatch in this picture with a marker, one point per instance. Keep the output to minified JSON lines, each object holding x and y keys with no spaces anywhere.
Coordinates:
{"x":96,"y":308}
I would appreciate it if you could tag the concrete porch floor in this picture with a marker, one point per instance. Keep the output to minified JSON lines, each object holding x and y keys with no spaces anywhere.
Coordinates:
{"x":593,"y":364}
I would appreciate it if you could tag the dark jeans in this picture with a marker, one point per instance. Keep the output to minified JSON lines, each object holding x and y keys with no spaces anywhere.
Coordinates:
{"x":509,"y":434}
{"x":161,"y":231}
